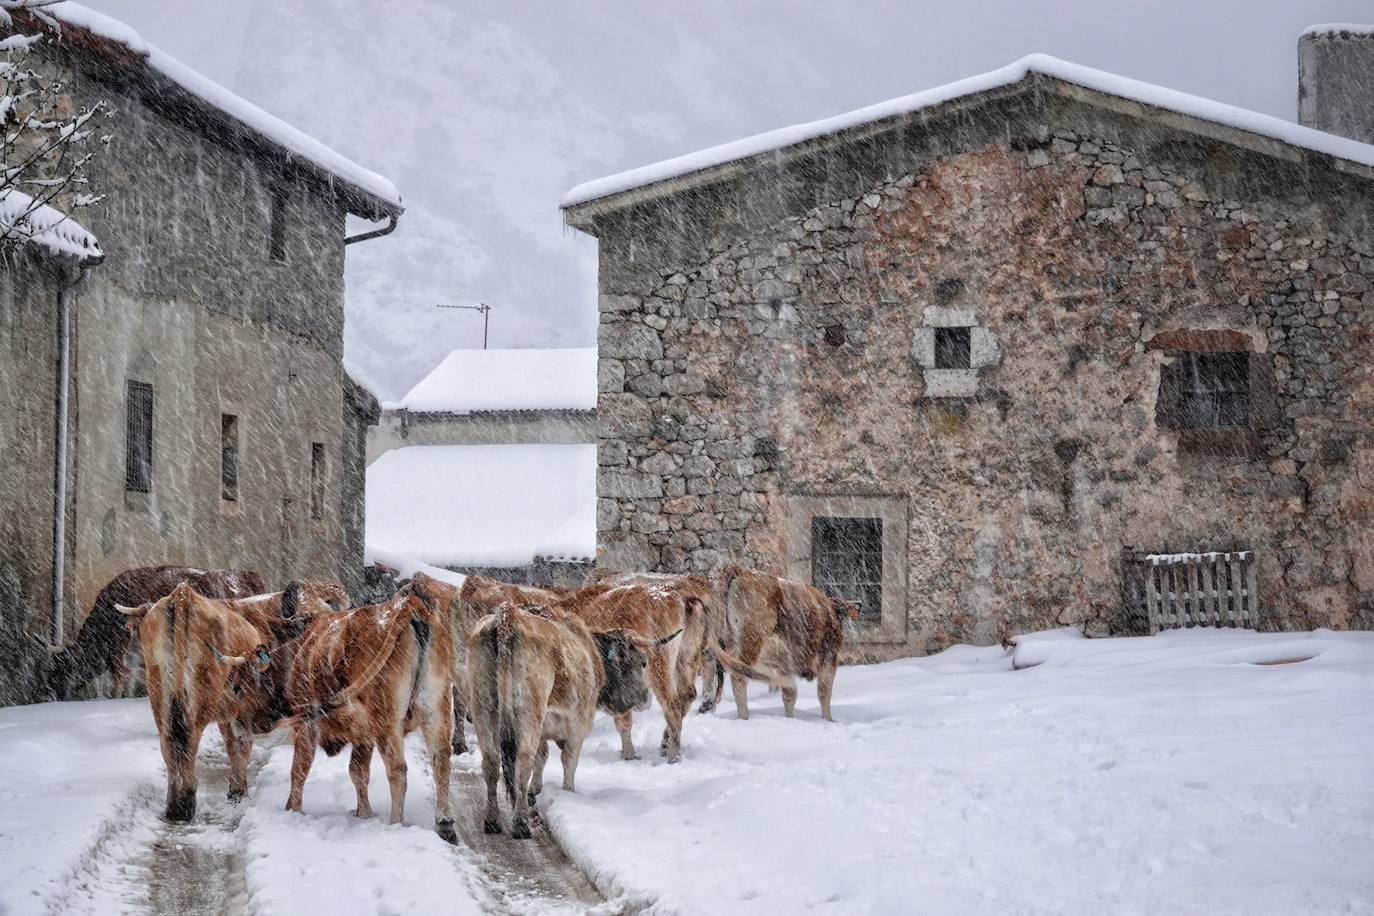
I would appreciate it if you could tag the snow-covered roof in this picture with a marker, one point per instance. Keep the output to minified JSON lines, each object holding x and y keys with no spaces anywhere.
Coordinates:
{"x":471,"y":380}
{"x":483,"y":505}
{"x":1337,"y":28}
{"x":1086,"y":77}
{"x":45,"y":226}
{"x":272,"y":128}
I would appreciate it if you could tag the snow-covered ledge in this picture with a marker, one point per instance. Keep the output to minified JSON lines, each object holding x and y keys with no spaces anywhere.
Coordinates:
{"x":958,"y":382}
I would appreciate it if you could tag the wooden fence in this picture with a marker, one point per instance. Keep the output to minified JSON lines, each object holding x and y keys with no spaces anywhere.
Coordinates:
{"x":1213,"y":589}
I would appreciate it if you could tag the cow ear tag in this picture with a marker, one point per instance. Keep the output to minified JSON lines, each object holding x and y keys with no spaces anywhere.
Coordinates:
{"x":610,"y":654}
{"x":264,"y":659}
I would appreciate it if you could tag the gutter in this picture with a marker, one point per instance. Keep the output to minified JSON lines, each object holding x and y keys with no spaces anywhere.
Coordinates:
{"x":65,"y":296}
{"x":389,"y":228}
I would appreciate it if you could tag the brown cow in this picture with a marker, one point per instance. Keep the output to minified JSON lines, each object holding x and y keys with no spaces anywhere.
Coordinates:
{"x":649,"y":610}
{"x":195,"y":650}
{"x":478,"y":597}
{"x":539,"y":675}
{"x":103,"y":642}
{"x":367,"y":678}
{"x":782,"y":629}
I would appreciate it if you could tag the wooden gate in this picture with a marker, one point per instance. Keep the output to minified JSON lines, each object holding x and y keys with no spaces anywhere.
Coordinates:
{"x":1212,"y":589}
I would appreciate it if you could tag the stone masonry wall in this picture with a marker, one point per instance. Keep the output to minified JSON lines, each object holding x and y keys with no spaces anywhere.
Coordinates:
{"x":739,"y":366}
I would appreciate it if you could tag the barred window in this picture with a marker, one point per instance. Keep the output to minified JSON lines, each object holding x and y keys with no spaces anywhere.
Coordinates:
{"x":847,"y":562}
{"x":317,"y":471}
{"x":953,"y":348}
{"x":138,"y":437}
{"x":1206,"y":390}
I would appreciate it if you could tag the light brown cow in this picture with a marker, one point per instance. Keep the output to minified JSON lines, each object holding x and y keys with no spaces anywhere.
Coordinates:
{"x":651,"y":610}
{"x":478,"y":597}
{"x":196,"y":650}
{"x":780,"y":630}
{"x":366,"y":678}
{"x":539,"y":675}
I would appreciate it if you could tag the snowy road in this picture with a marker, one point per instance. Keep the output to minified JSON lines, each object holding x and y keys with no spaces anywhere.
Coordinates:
{"x":1177,"y":774}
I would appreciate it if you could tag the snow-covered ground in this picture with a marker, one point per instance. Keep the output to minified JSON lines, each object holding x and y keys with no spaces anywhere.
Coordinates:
{"x":1180,"y":773}
{"x":1162,"y":775}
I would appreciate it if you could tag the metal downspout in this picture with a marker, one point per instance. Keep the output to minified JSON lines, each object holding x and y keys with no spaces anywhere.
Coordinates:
{"x":65,"y":296}
{"x":373,"y":234}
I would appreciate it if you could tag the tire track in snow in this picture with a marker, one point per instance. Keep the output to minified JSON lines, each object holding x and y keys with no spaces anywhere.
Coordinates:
{"x":518,"y":877}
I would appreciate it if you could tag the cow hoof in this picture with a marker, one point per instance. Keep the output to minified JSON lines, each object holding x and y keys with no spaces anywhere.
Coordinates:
{"x":459,"y":747}
{"x":531,"y":799}
{"x":629,"y":756}
{"x":445,"y":830}
{"x":362,"y":812}
{"x":235,"y":796}
{"x":182,"y":809}
{"x":490,"y":826}
{"x":706,"y":706}
{"x":520,"y":828}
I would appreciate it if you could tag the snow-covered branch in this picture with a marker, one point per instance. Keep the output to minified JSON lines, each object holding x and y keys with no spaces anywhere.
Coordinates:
{"x":47,"y":139}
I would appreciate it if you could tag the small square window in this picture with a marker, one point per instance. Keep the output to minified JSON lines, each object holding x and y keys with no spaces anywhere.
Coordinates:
{"x":952,"y":348}
{"x":1206,"y":390}
{"x":847,"y":562}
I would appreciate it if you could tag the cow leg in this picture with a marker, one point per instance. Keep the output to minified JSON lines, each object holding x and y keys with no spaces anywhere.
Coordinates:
{"x":460,"y":740}
{"x":673,"y":714}
{"x":437,"y":728}
{"x":789,"y":699}
{"x":393,"y":750}
{"x":307,"y":738}
{"x":525,"y":756}
{"x":491,"y":775}
{"x":360,"y":770}
{"x":710,"y":683}
{"x":541,"y":759}
{"x":825,"y":684}
{"x":179,"y":752}
{"x":238,"y":750}
{"x":739,"y":686}
{"x":623,"y":722}
{"x":571,"y":752}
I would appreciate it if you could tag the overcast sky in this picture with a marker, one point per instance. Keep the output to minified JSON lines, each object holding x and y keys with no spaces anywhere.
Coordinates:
{"x":484,"y":114}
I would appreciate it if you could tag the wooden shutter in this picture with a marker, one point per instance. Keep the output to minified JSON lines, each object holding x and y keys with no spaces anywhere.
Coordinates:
{"x":1264,"y":394}
{"x":1169,"y":404}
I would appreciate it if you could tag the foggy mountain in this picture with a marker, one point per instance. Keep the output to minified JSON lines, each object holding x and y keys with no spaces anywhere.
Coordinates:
{"x":484,"y":115}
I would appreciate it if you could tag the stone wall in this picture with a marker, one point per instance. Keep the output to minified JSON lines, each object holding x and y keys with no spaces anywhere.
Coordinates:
{"x":758,"y":345}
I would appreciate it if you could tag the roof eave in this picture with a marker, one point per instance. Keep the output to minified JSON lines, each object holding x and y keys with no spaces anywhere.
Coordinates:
{"x":585,"y":215}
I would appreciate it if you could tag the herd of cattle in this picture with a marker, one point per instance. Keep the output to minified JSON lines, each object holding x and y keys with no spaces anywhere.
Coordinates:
{"x":525,"y":665}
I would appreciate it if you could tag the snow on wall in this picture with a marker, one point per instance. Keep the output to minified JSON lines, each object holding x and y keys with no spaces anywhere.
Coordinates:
{"x":482,"y":505}
{"x":468,"y":380}
{"x":273,"y":128}
{"x":1331,"y":28}
{"x":1087,"y":77}
{"x":46,"y":227}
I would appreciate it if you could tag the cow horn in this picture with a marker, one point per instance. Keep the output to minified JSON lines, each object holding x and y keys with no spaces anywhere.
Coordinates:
{"x":232,"y":660}
{"x":132,"y":611}
{"x":648,"y":644}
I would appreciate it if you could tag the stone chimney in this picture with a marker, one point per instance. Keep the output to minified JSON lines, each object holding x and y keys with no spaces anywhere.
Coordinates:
{"x":1336,"y":80}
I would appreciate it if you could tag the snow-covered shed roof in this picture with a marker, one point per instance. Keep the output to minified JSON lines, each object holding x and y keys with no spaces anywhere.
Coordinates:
{"x":68,"y":15}
{"x":1339,"y":28}
{"x":707,"y":163}
{"x":483,"y":505}
{"x":473,"y":380}
{"x":45,"y":227}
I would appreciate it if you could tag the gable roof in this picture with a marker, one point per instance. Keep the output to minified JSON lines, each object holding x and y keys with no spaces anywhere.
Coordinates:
{"x":480,"y":380}
{"x":718,"y":162}
{"x":371,"y":195}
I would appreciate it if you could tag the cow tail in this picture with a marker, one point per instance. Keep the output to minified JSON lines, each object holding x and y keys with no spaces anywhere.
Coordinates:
{"x":507,"y":709}
{"x":754,"y":672}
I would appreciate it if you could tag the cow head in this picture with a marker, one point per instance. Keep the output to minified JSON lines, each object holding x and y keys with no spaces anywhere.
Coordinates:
{"x":624,"y":656}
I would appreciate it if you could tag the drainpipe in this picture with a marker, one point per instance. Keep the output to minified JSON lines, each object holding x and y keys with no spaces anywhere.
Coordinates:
{"x":65,"y":295}
{"x":373,"y":234}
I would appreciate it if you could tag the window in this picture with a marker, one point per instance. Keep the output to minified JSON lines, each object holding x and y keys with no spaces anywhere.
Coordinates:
{"x":847,"y":562}
{"x":317,"y":480}
{"x":277,"y":232}
{"x":138,"y":437}
{"x":953,"y":348}
{"x":229,"y":457}
{"x":1205,"y":390}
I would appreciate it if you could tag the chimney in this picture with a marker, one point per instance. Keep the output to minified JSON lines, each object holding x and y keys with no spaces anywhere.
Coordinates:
{"x":1336,"y":80}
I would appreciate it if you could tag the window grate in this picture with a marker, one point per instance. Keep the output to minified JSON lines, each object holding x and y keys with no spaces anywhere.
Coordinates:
{"x":1206,"y":390}
{"x":847,"y":562}
{"x":138,"y":437}
{"x":1209,"y":589}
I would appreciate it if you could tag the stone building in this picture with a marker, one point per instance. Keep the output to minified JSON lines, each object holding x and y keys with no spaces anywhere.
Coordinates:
{"x":210,"y":421}
{"x":963,"y":356}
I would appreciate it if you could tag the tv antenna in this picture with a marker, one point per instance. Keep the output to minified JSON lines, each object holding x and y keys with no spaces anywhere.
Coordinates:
{"x":479,"y":307}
